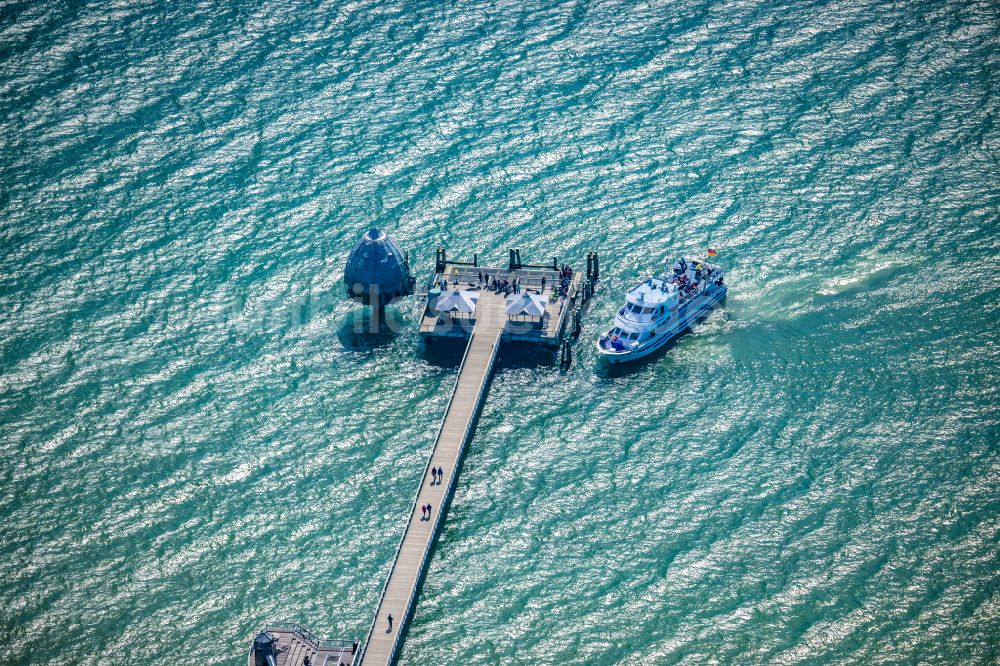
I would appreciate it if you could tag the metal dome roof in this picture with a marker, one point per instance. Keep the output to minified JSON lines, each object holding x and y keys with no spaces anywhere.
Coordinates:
{"x":377,"y":270}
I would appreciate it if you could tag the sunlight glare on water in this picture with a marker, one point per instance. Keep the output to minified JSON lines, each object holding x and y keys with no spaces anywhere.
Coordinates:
{"x":197,"y":439}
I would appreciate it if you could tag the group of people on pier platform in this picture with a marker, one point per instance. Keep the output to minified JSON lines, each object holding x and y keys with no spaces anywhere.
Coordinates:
{"x":512,"y":284}
{"x":498,"y":284}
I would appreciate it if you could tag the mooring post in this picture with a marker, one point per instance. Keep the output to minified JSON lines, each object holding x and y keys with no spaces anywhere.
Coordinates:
{"x":565,"y":353}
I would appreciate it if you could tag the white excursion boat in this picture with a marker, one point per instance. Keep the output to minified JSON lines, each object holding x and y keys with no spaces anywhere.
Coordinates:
{"x":659,"y":309}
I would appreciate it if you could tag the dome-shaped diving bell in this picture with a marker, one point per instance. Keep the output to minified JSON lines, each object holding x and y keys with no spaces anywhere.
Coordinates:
{"x":377,"y":271}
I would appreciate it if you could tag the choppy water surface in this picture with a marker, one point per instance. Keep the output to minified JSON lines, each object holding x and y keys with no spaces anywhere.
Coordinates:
{"x":195,"y":439}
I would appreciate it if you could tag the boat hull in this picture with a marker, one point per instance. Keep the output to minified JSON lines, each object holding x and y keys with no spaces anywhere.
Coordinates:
{"x":683,"y":324}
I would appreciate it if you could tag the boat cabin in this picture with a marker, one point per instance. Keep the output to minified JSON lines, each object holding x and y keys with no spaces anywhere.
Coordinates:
{"x":651,"y":300}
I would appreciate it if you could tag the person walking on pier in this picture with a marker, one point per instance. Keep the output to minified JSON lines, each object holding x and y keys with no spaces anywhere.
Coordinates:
{"x":428,"y":511}
{"x":434,"y":474}
{"x":389,"y":630}
{"x":440,"y":475}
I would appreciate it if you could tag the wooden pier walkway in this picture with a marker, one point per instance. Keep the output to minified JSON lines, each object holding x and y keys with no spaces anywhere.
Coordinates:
{"x":413,"y":554}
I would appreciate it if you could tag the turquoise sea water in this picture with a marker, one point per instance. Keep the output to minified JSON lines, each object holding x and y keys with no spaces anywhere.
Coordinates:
{"x":196,"y":439}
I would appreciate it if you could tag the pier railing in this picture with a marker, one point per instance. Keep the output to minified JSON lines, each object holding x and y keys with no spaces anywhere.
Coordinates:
{"x":438,"y":514}
{"x":569,"y":300}
{"x":305,"y":633}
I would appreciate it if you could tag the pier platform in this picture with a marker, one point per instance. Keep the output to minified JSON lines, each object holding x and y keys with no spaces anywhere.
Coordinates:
{"x":546,"y":329}
{"x":291,"y":644}
{"x":413,"y":553}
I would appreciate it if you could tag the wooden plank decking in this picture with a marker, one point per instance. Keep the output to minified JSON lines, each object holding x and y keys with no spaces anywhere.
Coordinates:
{"x":413,"y":555}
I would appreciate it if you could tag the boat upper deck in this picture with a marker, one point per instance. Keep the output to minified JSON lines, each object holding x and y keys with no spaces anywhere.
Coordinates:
{"x":652,"y":291}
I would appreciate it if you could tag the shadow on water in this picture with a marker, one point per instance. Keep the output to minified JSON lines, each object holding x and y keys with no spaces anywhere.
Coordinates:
{"x":515,"y":355}
{"x":448,"y":352}
{"x":366,"y":329}
{"x":443,"y":352}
